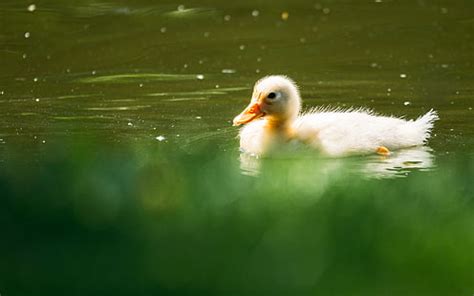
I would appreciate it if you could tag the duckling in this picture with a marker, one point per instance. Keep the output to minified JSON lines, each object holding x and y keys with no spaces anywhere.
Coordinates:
{"x":274,"y":118}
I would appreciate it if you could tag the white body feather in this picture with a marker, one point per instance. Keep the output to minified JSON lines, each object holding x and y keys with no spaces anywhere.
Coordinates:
{"x":339,"y":133}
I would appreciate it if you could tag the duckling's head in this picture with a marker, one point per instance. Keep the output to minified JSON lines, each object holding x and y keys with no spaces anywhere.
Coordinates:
{"x":276,"y":98}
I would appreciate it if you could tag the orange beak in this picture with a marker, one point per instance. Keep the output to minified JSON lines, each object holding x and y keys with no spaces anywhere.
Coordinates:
{"x":252,"y":112}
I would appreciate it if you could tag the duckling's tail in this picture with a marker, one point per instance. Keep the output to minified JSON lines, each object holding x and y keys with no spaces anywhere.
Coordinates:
{"x":425,"y":124}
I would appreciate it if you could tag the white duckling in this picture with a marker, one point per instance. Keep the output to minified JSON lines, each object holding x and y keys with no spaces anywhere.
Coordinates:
{"x":274,"y":118}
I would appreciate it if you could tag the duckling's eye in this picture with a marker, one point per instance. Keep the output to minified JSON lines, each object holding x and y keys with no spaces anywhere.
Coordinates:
{"x":271,"y":95}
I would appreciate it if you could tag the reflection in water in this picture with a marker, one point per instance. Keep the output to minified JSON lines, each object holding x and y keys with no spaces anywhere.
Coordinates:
{"x":398,"y":164}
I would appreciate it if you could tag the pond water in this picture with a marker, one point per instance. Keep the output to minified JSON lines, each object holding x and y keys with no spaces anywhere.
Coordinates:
{"x":120,"y":171}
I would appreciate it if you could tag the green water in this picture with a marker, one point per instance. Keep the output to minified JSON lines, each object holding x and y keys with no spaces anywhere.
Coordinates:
{"x":120,"y":171}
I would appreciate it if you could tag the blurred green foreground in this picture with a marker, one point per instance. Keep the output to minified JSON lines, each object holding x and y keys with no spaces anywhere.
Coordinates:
{"x":150,"y":221}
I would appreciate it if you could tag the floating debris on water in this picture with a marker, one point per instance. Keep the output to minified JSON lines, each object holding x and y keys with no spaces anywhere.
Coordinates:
{"x":31,"y":7}
{"x":183,"y":12}
{"x":200,"y":77}
{"x":227,"y":18}
{"x":27,"y":113}
{"x":326,"y":10}
{"x":206,"y":92}
{"x":130,"y":124}
{"x":88,"y":117}
{"x":24,"y":56}
{"x":406,"y":103}
{"x":93,"y":72}
{"x":140,"y":85}
{"x":186,"y":99}
{"x":133,"y":77}
{"x":403,"y":75}
{"x":35,"y":79}
{"x":27,"y":35}
{"x":242,"y":47}
{"x":76,"y":96}
{"x":228,"y":71}
{"x":285,"y":15}
{"x":119,"y":108}
{"x":255,"y":13}
{"x":163,"y":30}
{"x":160,"y":138}
{"x":198,"y":117}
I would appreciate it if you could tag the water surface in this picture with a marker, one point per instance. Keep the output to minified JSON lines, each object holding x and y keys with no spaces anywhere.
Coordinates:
{"x":118,"y":162}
